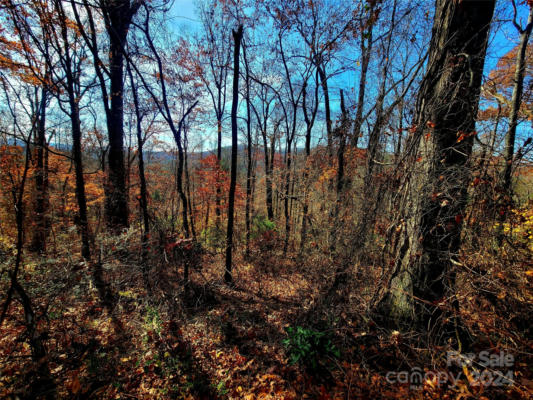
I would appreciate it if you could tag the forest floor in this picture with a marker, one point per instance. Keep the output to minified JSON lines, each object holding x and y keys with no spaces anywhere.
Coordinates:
{"x":126,"y":340}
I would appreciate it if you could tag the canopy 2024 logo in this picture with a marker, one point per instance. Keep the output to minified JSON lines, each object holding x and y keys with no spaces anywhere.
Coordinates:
{"x":482,"y":369}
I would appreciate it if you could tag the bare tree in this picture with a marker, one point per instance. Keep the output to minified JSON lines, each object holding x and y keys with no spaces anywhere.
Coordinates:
{"x":237,"y":37}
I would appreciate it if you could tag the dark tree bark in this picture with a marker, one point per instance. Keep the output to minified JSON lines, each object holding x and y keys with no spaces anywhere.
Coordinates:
{"x":435,"y":195}
{"x":237,"y":37}
{"x":83,"y":222}
{"x":117,"y":16}
{"x":341,"y":133}
{"x":309,"y":122}
{"x":188,"y":182}
{"x":40,"y":233}
{"x":249,"y":156}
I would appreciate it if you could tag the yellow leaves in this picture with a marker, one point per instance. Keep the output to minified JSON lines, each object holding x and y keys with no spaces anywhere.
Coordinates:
{"x":519,"y":226}
{"x":328,"y":174}
{"x":529,"y":273}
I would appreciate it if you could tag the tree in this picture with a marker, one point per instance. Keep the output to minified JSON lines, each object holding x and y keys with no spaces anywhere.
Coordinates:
{"x":71,"y":67}
{"x":435,"y":195}
{"x":117,"y":17}
{"x":309,"y":122}
{"x":237,"y":37}
{"x":516,"y":99}
{"x":163,"y":104}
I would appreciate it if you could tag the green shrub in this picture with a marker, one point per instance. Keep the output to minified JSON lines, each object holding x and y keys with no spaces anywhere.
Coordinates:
{"x":307,"y":346}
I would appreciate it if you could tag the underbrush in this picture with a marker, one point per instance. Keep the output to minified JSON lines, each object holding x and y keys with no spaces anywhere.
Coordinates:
{"x":278,"y":333}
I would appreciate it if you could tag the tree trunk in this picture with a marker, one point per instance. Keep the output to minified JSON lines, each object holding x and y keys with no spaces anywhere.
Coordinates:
{"x":516,"y":99}
{"x":188,"y":185}
{"x":143,"y":201}
{"x":82,"y":220}
{"x":268,"y":176}
{"x":218,"y":211}
{"x":371,"y":190}
{"x":237,"y":37}
{"x":41,"y":181}
{"x":366,"y":51}
{"x":309,"y":122}
{"x":72,"y":86}
{"x":249,"y":156}
{"x":324,"y":83}
{"x":118,"y":16}
{"x":434,"y":198}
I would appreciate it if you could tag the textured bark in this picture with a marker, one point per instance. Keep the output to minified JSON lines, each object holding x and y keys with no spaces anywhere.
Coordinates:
{"x":435,"y":194}
{"x":237,"y":37}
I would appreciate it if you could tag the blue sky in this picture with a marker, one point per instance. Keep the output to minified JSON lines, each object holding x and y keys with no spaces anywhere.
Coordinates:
{"x":183,"y":18}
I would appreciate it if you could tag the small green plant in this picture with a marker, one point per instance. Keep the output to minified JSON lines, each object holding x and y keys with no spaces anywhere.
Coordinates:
{"x":152,"y":319}
{"x":307,"y":346}
{"x":260,"y":225}
{"x":221,"y":388}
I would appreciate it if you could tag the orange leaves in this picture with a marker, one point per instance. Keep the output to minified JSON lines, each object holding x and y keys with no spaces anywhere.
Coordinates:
{"x":212,"y":179}
{"x":464,"y":135}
